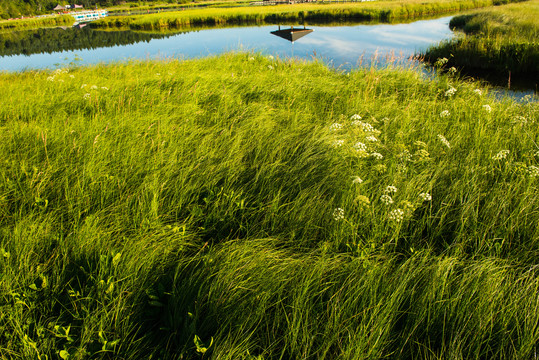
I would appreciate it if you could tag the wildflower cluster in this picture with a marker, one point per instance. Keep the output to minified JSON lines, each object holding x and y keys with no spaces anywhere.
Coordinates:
{"x":533,"y":171}
{"x":487,"y":108}
{"x":425,"y":196}
{"x":478,"y":92}
{"x":450,"y":92}
{"x":445,"y":113}
{"x":357,"y":180}
{"x":335,"y":127}
{"x":386,"y":199}
{"x":338,"y":214}
{"x":444,"y":141}
{"x":502,"y":154}
{"x":396,"y":215}
{"x":359,"y":146}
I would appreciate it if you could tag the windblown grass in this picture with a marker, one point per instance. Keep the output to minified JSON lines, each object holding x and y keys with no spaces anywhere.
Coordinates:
{"x":310,"y":13}
{"x":193,"y":209}
{"x":501,"y":39}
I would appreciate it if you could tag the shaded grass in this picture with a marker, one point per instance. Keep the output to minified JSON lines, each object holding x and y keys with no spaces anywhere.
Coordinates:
{"x":142,"y":204}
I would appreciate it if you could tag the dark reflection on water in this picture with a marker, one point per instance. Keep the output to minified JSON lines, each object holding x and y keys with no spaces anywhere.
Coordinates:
{"x":53,"y":40}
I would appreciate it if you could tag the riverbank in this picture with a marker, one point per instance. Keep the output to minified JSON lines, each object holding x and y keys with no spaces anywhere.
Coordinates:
{"x":298,"y":13}
{"x":498,"y":40}
{"x":245,"y":207}
{"x":36,"y":22}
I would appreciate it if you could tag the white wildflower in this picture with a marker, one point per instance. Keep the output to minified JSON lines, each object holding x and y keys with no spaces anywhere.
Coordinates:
{"x":405,"y":156}
{"x":357,"y":180}
{"x":50,"y":78}
{"x":93,"y":87}
{"x":251,"y":58}
{"x":355,"y":117}
{"x":371,"y":139}
{"x":533,"y":171}
{"x":390,"y":189}
{"x":104,"y":88}
{"x":445,"y":113}
{"x":87,"y":95}
{"x":338,"y":143}
{"x":377,"y":156}
{"x":502,"y":154}
{"x":386,"y":199}
{"x":425,"y":196}
{"x":83,"y":86}
{"x":366,"y":127}
{"x":157,"y":74}
{"x":396,"y":215}
{"x":271,"y":57}
{"x":359,"y":146}
{"x":452,"y":70}
{"x":444,"y":141}
{"x":270,"y":67}
{"x":72,"y":76}
{"x":520,"y":120}
{"x":478,"y":92}
{"x":338,"y":214}
{"x":450,"y":92}
{"x":487,"y":108}
{"x":335,"y":127}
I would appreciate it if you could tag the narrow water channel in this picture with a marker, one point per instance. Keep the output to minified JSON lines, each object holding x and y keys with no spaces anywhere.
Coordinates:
{"x":338,"y":46}
{"x":342,"y":47}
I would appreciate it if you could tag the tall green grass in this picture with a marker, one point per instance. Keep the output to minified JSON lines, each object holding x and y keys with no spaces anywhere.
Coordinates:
{"x":36,"y":22}
{"x":310,"y":13}
{"x":503,"y":39}
{"x":191,"y":209}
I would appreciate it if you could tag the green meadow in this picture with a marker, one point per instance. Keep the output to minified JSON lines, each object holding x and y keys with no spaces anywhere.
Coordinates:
{"x":500,"y":39}
{"x":246,"y":207}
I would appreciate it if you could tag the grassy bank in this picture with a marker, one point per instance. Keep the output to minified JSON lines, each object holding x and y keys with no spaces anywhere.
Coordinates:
{"x":32,"y":23}
{"x":310,"y":13}
{"x":242,"y":207}
{"x":502,"y":39}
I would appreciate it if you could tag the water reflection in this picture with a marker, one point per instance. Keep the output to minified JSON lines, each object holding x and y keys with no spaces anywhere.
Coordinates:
{"x":292,"y":34}
{"x":340,"y":46}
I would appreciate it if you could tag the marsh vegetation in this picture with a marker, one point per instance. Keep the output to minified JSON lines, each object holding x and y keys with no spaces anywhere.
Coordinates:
{"x":244,"y":207}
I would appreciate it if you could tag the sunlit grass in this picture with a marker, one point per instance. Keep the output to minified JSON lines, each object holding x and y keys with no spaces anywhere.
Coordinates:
{"x":380,"y":10}
{"x":246,"y":207}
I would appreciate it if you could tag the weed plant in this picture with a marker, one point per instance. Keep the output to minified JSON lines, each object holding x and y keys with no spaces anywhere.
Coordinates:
{"x":246,"y":207}
{"x":501,"y":39}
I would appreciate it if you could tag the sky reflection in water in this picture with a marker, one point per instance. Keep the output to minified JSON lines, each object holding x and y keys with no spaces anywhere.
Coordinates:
{"x":339,"y":46}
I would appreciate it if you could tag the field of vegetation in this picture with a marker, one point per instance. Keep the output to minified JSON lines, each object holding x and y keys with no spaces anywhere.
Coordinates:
{"x":245,"y":207}
{"x":310,"y":13}
{"x":501,"y":39}
{"x":42,"y":22}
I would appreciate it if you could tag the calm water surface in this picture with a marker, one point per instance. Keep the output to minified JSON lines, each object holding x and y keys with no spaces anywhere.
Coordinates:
{"x":339,"y":46}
